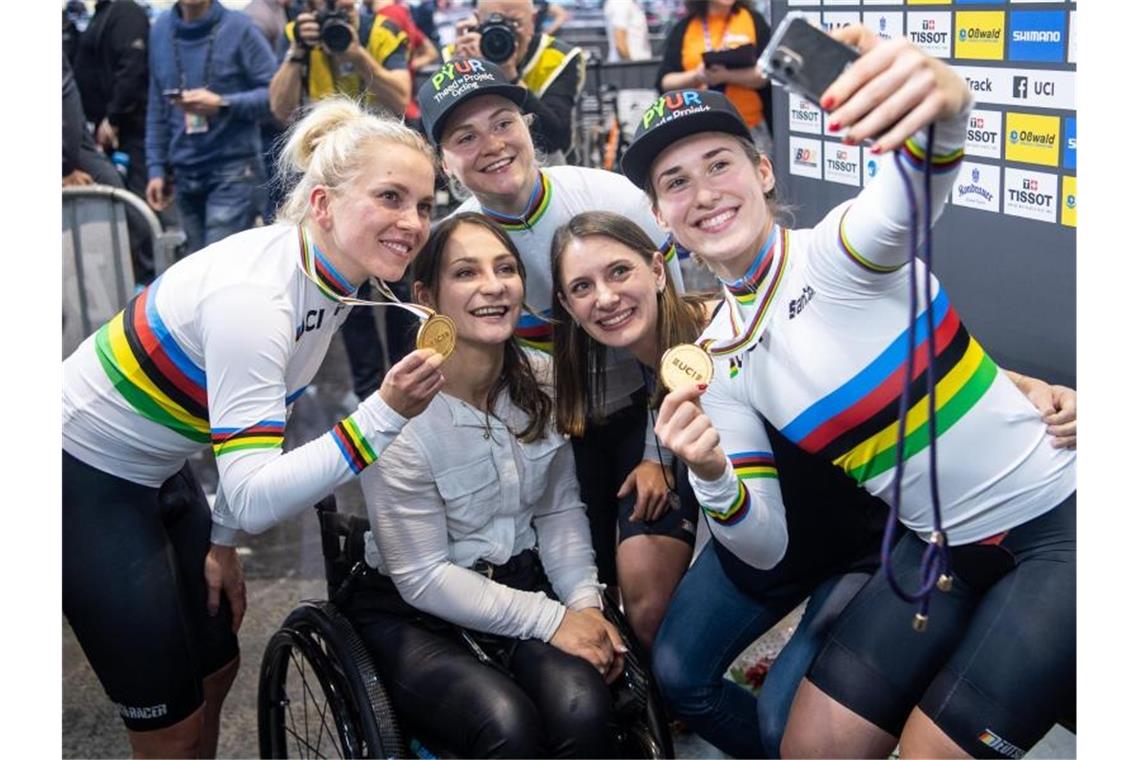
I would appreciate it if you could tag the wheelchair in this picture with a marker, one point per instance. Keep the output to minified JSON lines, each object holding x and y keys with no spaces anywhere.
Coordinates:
{"x":320,"y":694}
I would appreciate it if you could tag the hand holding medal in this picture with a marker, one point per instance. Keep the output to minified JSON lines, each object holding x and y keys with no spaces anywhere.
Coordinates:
{"x":682,"y":425}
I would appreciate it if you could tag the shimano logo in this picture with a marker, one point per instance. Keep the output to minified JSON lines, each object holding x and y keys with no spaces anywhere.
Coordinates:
{"x":1036,"y":35}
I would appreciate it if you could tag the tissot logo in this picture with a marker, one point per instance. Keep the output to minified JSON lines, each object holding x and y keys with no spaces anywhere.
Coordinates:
{"x":931,"y":31}
{"x":1031,"y":195}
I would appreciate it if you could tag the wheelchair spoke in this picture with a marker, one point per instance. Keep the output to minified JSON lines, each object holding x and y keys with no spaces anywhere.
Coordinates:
{"x":322,"y":714}
{"x":315,"y":750}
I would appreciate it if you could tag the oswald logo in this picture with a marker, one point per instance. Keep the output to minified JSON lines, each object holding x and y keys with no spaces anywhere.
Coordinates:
{"x":674,"y":102}
{"x":1071,"y":201}
{"x":449,"y":71}
{"x":1029,"y":137}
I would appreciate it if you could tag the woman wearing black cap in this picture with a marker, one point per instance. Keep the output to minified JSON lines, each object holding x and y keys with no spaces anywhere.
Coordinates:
{"x":813,"y":338}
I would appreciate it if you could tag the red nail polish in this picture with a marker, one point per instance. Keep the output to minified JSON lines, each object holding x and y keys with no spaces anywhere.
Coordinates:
{"x":702,"y":386}
{"x":834,"y":126}
{"x":827,"y":102}
{"x":876,"y":149}
{"x":848,"y":140}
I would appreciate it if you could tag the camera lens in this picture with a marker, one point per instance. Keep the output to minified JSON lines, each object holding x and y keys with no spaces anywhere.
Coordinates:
{"x":336,"y":35}
{"x":497,"y":44}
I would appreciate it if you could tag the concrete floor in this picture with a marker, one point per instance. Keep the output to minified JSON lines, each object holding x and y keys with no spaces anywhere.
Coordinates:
{"x":283,"y":566}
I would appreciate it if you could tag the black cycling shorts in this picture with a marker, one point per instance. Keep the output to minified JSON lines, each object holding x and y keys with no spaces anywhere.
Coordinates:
{"x":604,"y":458}
{"x":995,"y":667}
{"x":134,"y":591}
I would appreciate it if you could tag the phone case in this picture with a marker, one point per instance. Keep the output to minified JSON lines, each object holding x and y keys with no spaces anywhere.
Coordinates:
{"x":741,"y":57}
{"x":803,"y":58}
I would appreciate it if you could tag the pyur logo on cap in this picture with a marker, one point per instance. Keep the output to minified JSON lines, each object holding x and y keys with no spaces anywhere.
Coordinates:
{"x":457,"y":81}
{"x":677,"y":114}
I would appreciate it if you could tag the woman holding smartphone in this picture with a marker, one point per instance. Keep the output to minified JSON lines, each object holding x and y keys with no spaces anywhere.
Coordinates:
{"x":1007,"y":495}
{"x":606,"y":268}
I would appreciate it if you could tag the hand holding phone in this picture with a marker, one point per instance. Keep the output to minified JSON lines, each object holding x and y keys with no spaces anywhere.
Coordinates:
{"x":173,"y":94}
{"x":887,"y":92}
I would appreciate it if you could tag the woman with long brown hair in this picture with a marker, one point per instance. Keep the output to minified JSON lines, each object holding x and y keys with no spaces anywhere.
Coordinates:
{"x":477,"y":523}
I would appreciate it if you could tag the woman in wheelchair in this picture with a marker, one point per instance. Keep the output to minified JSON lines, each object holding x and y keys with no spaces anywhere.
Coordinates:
{"x":477,"y":527}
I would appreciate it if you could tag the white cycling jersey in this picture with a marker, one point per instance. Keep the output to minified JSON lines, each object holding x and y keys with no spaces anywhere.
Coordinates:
{"x":814,"y":339}
{"x":213,"y":352}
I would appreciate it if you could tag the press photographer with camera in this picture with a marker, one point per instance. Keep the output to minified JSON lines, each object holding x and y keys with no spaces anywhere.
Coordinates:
{"x":331,"y":49}
{"x":503,"y":32}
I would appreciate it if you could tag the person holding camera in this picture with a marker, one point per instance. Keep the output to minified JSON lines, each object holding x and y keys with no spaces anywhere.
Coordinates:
{"x":209,"y":75}
{"x":332,"y":50}
{"x":503,"y":32}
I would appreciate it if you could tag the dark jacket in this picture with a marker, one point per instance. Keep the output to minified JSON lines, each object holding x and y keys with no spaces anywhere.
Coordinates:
{"x":111,"y":65}
{"x":240,"y":67}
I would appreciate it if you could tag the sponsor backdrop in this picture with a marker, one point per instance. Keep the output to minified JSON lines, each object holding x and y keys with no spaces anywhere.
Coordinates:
{"x":1005,"y":247}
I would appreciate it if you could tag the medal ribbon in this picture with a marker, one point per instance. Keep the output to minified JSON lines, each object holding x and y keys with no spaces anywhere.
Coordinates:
{"x":743,"y":337}
{"x":311,"y":266}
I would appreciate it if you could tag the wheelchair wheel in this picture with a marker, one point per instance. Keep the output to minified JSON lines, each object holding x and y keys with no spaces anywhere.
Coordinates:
{"x":319,"y":694}
{"x":645,"y":728}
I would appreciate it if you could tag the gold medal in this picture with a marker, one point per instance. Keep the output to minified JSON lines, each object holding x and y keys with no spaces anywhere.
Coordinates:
{"x":685,"y":365}
{"x":438,"y":332}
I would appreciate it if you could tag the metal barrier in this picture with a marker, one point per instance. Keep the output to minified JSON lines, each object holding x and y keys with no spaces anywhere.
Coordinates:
{"x":98,"y":278}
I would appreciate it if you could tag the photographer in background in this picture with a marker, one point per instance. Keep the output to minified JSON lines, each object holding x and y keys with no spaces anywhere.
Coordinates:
{"x":502,"y":31}
{"x":209,"y":75}
{"x":331,"y":51}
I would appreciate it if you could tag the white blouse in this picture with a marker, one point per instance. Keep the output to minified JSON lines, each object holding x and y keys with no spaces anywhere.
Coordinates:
{"x":456,"y":487}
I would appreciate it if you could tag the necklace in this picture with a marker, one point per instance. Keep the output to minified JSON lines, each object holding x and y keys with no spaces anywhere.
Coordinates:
{"x":485,"y":422}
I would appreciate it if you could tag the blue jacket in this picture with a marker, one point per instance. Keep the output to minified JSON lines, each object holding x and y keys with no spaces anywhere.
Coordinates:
{"x":241,"y":65}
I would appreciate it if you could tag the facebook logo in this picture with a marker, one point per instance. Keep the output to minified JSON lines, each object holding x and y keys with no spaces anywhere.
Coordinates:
{"x":1021,"y":87}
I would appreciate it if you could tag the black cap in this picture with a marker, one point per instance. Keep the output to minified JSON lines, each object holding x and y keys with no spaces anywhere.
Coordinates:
{"x":677,"y":114}
{"x":459,"y":80}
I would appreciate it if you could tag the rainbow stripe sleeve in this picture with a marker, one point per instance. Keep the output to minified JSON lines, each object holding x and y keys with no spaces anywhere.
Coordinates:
{"x":748,"y":465}
{"x":354,"y":447}
{"x":267,"y":434}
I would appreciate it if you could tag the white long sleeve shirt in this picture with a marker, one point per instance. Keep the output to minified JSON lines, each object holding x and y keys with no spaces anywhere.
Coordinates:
{"x":456,"y":487}
{"x":214,"y":352}
{"x":827,"y":372}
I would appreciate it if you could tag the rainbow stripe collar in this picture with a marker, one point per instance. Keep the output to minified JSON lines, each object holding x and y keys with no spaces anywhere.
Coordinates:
{"x":321,"y":271}
{"x":535,"y":208}
{"x":746,"y":288}
{"x":745,"y":331}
